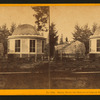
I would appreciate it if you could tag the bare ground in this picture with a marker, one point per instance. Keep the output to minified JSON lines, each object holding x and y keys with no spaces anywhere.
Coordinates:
{"x":60,"y":75}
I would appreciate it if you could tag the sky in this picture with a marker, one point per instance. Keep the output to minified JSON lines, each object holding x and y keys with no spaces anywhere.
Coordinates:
{"x":65,"y":17}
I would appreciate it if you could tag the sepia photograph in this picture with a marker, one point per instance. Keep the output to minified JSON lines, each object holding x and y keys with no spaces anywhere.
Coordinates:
{"x":49,"y":47}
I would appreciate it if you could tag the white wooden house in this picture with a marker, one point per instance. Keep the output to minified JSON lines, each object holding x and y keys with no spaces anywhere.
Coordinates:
{"x":94,"y":44}
{"x":26,"y":42}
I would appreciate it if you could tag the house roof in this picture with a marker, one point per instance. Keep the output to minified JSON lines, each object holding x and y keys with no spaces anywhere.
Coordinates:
{"x":60,"y":46}
{"x":26,"y":29}
{"x":64,"y":45}
{"x":72,"y":47}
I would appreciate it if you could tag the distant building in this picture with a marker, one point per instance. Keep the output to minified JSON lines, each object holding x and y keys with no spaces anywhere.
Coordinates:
{"x":94,"y":44}
{"x":71,"y":50}
{"x":26,"y":42}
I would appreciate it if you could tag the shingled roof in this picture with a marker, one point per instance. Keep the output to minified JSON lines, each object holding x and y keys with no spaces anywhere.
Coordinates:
{"x":72,"y":47}
{"x":26,"y":29}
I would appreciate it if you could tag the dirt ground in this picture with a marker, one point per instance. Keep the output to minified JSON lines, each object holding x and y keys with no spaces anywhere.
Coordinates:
{"x":54,"y":75}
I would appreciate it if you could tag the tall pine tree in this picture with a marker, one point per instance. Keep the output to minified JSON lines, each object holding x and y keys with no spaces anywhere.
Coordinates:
{"x":61,"y":39}
{"x":53,"y":39}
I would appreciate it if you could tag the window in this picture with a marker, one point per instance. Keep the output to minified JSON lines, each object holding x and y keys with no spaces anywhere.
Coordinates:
{"x":42,"y":46}
{"x":32,"y":45}
{"x":17,"y":45}
{"x":98,"y":45}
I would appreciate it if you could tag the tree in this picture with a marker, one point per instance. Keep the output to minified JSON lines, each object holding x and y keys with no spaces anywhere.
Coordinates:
{"x":52,"y":39}
{"x":41,"y":15}
{"x":66,"y":39}
{"x":94,"y":27}
{"x":82,"y":34}
{"x":4,"y":33}
{"x":61,"y":39}
{"x":12,"y":28}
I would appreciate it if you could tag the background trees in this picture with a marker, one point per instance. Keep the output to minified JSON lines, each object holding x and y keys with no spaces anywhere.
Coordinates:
{"x":82,"y":34}
{"x":12,"y":28}
{"x":94,"y":27}
{"x":41,"y":15}
{"x":52,"y":39}
{"x":66,"y":39}
{"x":4,"y":33}
{"x":61,"y":39}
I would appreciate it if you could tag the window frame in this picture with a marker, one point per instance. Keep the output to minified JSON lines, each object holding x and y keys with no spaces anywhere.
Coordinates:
{"x":18,"y":48}
{"x":43,"y":46}
{"x":98,"y":47}
{"x":33,"y":48}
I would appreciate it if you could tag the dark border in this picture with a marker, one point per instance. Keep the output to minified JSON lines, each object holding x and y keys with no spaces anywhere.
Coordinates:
{"x":50,"y":97}
{"x":47,"y":1}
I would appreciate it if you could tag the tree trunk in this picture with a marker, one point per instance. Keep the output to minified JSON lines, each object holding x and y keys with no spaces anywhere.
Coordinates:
{"x":87,"y":47}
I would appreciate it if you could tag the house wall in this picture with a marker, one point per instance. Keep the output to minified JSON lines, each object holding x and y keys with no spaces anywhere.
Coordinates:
{"x":39,"y":46}
{"x":94,"y":54}
{"x":25,"y":47}
{"x":11,"y":46}
{"x":93,"y":46}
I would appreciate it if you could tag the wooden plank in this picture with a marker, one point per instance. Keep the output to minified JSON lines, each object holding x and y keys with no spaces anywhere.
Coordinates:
{"x":64,"y":78}
{"x":92,"y":72}
{"x":15,"y":72}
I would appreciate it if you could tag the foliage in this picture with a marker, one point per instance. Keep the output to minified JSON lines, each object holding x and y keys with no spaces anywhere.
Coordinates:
{"x":41,"y":15}
{"x":94,"y":27}
{"x":13,"y":27}
{"x":66,"y":39}
{"x":52,"y":39}
{"x":46,"y":49}
{"x":4,"y":33}
{"x":82,"y":34}
{"x":61,"y":39}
